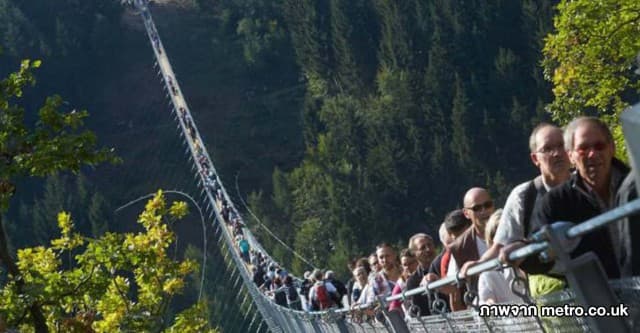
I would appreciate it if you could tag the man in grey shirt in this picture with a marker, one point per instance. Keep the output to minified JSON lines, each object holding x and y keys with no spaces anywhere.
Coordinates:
{"x":548,"y":154}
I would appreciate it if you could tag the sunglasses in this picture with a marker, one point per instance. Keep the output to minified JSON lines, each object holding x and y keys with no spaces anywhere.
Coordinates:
{"x":482,"y":206}
{"x":585,"y":150}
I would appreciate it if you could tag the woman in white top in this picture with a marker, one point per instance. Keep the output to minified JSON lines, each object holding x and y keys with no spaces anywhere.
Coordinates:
{"x":360,"y":282}
{"x":495,"y":286}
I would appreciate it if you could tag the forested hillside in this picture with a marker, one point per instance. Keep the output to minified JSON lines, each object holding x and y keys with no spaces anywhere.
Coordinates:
{"x":343,"y":123}
{"x":407,"y":105}
{"x":349,"y":122}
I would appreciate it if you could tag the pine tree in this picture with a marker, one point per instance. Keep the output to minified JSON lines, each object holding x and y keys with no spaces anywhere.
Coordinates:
{"x":44,"y":211}
{"x":305,"y":21}
{"x":460,"y":140}
{"x":437,"y":77}
{"x":394,"y":40}
{"x":99,"y":214}
{"x":346,"y":70}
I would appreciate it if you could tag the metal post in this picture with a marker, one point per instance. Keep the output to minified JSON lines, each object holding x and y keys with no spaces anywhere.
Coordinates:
{"x":588,"y":282}
{"x":631,"y":127}
{"x":394,"y":318}
{"x":339,"y":321}
{"x":315,"y":325}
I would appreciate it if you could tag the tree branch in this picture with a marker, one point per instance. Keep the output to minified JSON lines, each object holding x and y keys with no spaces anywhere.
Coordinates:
{"x":39,"y":322}
{"x":122,"y":294}
{"x":73,"y":290}
{"x":621,"y":25}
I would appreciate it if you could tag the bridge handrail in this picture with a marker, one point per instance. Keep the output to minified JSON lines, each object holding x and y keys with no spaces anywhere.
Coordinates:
{"x":179,"y":102}
{"x":539,"y":245}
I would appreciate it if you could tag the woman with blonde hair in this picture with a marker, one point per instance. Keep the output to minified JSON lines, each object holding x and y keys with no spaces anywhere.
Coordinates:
{"x":495,"y":286}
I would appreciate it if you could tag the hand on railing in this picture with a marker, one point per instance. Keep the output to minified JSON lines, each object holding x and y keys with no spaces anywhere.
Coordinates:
{"x":506,"y":251}
{"x":463,"y":270}
{"x":446,"y":289}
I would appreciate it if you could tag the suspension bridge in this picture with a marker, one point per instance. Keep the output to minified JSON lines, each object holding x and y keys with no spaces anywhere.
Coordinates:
{"x":259,"y":313}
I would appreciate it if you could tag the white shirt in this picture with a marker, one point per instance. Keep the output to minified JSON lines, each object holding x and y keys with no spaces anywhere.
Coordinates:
{"x":367,"y":295}
{"x":497,"y":286}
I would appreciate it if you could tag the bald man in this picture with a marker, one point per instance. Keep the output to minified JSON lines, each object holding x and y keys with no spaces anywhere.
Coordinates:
{"x":478,"y":207}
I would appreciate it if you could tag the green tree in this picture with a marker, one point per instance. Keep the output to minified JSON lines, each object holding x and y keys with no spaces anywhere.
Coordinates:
{"x":460,"y":145}
{"x":16,"y":31}
{"x":395,"y":49}
{"x":590,"y":59}
{"x":118,"y":282}
{"x":346,"y":68}
{"x":304,"y":19}
{"x":44,"y":209}
{"x":56,"y":142}
{"x":99,"y":213}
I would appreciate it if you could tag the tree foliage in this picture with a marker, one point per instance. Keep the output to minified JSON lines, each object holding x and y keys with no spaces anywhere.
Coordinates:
{"x":590,"y":58}
{"x":76,"y":195}
{"x":402,"y":105}
{"x":118,"y":282}
{"x":56,"y":142}
{"x":408,"y":104}
{"x":115,"y":283}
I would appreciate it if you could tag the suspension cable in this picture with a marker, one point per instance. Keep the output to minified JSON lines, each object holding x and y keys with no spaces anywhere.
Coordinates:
{"x":268,"y":230}
{"x":204,"y":228}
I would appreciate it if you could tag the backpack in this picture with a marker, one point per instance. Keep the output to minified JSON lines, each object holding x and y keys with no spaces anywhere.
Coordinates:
{"x":305,"y":286}
{"x":280,"y":297}
{"x":322,"y":297}
{"x":292,"y":294}
{"x":531,"y":194}
{"x":341,"y":288}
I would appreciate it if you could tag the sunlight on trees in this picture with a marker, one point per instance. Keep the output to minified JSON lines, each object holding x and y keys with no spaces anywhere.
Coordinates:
{"x":118,"y":282}
{"x":590,"y":59}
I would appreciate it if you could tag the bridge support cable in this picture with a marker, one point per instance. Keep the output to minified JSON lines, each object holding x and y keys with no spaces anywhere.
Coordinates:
{"x":287,"y":247}
{"x":192,"y":137}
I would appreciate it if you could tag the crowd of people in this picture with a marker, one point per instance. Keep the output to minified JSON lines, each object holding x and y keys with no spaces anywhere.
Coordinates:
{"x":579,"y":178}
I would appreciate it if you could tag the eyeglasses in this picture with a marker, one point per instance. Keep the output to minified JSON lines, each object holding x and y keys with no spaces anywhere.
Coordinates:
{"x":585,"y":150}
{"x":551,"y":149}
{"x":481,"y":207}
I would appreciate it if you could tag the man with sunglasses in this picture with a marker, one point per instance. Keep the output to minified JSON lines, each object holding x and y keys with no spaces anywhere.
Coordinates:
{"x":589,"y":192}
{"x":478,"y":207}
